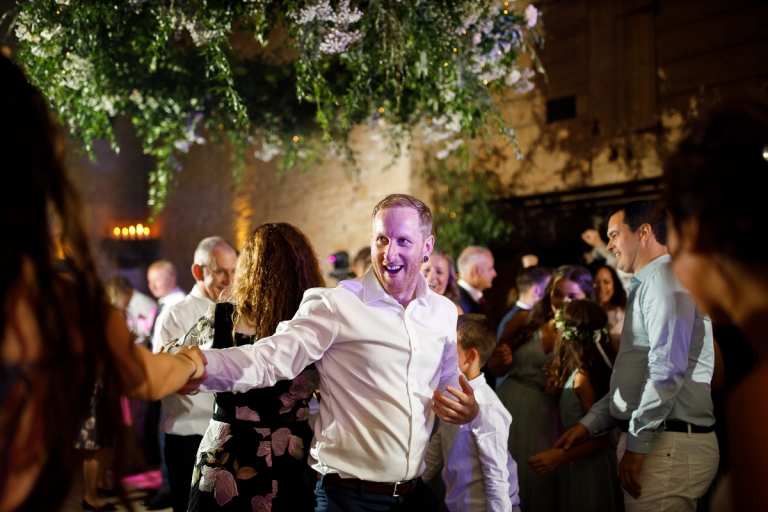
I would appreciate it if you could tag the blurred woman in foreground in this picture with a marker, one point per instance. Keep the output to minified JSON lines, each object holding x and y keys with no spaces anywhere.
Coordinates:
{"x":715,"y":187}
{"x":59,"y":335}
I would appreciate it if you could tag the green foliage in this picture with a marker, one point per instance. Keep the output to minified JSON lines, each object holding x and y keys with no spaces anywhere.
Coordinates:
{"x":467,"y":211}
{"x":173,"y":67}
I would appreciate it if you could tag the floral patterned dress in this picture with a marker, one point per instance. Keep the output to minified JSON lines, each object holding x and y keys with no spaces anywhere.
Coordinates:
{"x":253,"y":456}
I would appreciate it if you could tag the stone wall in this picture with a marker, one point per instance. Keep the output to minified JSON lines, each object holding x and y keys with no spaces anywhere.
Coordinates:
{"x":331,"y":203}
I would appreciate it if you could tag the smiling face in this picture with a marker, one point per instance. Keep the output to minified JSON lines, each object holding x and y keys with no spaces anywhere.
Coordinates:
{"x":436,"y":272}
{"x":603,"y":286}
{"x":563,"y":290}
{"x":219,"y":273}
{"x":397,"y":250}
{"x":623,"y":243}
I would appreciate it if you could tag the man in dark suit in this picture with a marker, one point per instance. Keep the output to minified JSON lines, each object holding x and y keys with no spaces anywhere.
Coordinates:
{"x":477,"y":273}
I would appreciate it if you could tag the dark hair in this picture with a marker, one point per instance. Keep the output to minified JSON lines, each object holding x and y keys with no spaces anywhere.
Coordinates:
{"x":406,"y":201}
{"x":452,"y":288}
{"x":637,"y":213}
{"x":276,"y":266}
{"x":542,"y":311}
{"x":532,"y":275}
{"x":37,"y":199}
{"x":474,"y":331}
{"x":575,"y":354}
{"x":718,"y":174}
{"x":619,"y":297}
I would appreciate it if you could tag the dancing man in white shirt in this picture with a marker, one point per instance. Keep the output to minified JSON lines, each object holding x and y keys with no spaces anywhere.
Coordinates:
{"x":385,"y":348}
{"x":185,"y":418}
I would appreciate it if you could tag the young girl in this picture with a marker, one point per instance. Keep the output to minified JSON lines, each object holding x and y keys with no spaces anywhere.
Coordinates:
{"x":581,"y":373}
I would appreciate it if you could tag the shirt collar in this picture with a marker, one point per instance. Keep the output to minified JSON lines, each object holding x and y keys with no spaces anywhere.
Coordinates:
{"x":162,"y":299}
{"x":373,"y":291}
{"x":471,"y":290}
{"x":522,"y":305}
{"x":477,"y":381}
{"x":196,"y":293}
{"x":642,"y":274}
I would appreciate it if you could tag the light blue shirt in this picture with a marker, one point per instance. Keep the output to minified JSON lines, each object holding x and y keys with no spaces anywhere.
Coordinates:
{"x":665,"y":362}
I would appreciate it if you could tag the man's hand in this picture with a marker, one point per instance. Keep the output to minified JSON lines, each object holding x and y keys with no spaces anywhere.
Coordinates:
{"x":592,"y":237}
{"x":629,"y":472}
{"x":573,"y":436}
{"x":547,"y":461}
{"x":451,"y":411}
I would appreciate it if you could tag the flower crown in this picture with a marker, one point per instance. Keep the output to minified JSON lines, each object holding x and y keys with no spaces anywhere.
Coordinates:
{"x":570,"y":332}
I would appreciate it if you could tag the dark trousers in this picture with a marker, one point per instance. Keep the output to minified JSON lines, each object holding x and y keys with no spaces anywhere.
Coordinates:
{"x":331,"y":498}
{"x":180,"y":453}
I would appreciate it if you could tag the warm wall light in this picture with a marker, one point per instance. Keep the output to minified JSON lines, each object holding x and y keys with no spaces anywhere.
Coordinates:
{"x":136,"y":231}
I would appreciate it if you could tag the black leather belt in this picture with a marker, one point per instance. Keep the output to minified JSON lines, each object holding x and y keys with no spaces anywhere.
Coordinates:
{"x":681,"y":426}
{"x":674,"y":426}
{"x":393,"y":489}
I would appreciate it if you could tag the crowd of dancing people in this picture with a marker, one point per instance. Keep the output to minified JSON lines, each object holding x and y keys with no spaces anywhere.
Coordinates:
{"x":605,"y":387}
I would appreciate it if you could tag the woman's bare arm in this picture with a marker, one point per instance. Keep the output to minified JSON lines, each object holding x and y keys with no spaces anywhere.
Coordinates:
{"x":143,"y":374}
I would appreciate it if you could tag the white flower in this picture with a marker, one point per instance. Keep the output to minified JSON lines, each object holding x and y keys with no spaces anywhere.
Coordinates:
{"x":512,"y":78}
{"x":268,"y":151}
{"x":215,"y":437}
{"x":531,"y":16}
{"x":476,"y":38}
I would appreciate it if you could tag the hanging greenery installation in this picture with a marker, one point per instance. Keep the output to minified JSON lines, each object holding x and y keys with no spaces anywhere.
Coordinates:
{"x":311,"y":71}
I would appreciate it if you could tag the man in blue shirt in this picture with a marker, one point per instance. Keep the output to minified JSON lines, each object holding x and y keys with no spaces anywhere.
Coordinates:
{"x":660,"y":387}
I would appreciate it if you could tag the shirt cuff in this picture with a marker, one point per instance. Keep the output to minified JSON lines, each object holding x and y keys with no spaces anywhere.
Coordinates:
{"x":597,"y":425}
{"x":212,"y":381}
{"x":640,"y":443}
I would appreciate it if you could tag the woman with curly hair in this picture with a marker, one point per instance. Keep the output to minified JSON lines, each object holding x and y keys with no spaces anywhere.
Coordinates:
{"x":524,"y":349}
{"x":59,"y":334}
{"x":581,"y":374}
{"x":254,"y":453}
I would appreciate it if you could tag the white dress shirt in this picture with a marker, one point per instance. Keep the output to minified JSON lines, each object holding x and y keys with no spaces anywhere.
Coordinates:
{"x":174,"y":297}
{"x":378,"y":362}
{"x":478,"y":471}
{"x":184,"y":415}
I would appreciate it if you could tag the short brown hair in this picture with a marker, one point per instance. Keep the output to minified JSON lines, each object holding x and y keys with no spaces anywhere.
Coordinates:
{"x":404,"y":200}
{"x":474,"y":332}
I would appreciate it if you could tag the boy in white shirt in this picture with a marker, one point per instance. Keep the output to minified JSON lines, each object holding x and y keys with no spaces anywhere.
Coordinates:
{"x":478,"y":471}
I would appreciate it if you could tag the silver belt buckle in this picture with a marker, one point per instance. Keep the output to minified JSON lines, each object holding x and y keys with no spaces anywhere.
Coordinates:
{"x":394,"y":489}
